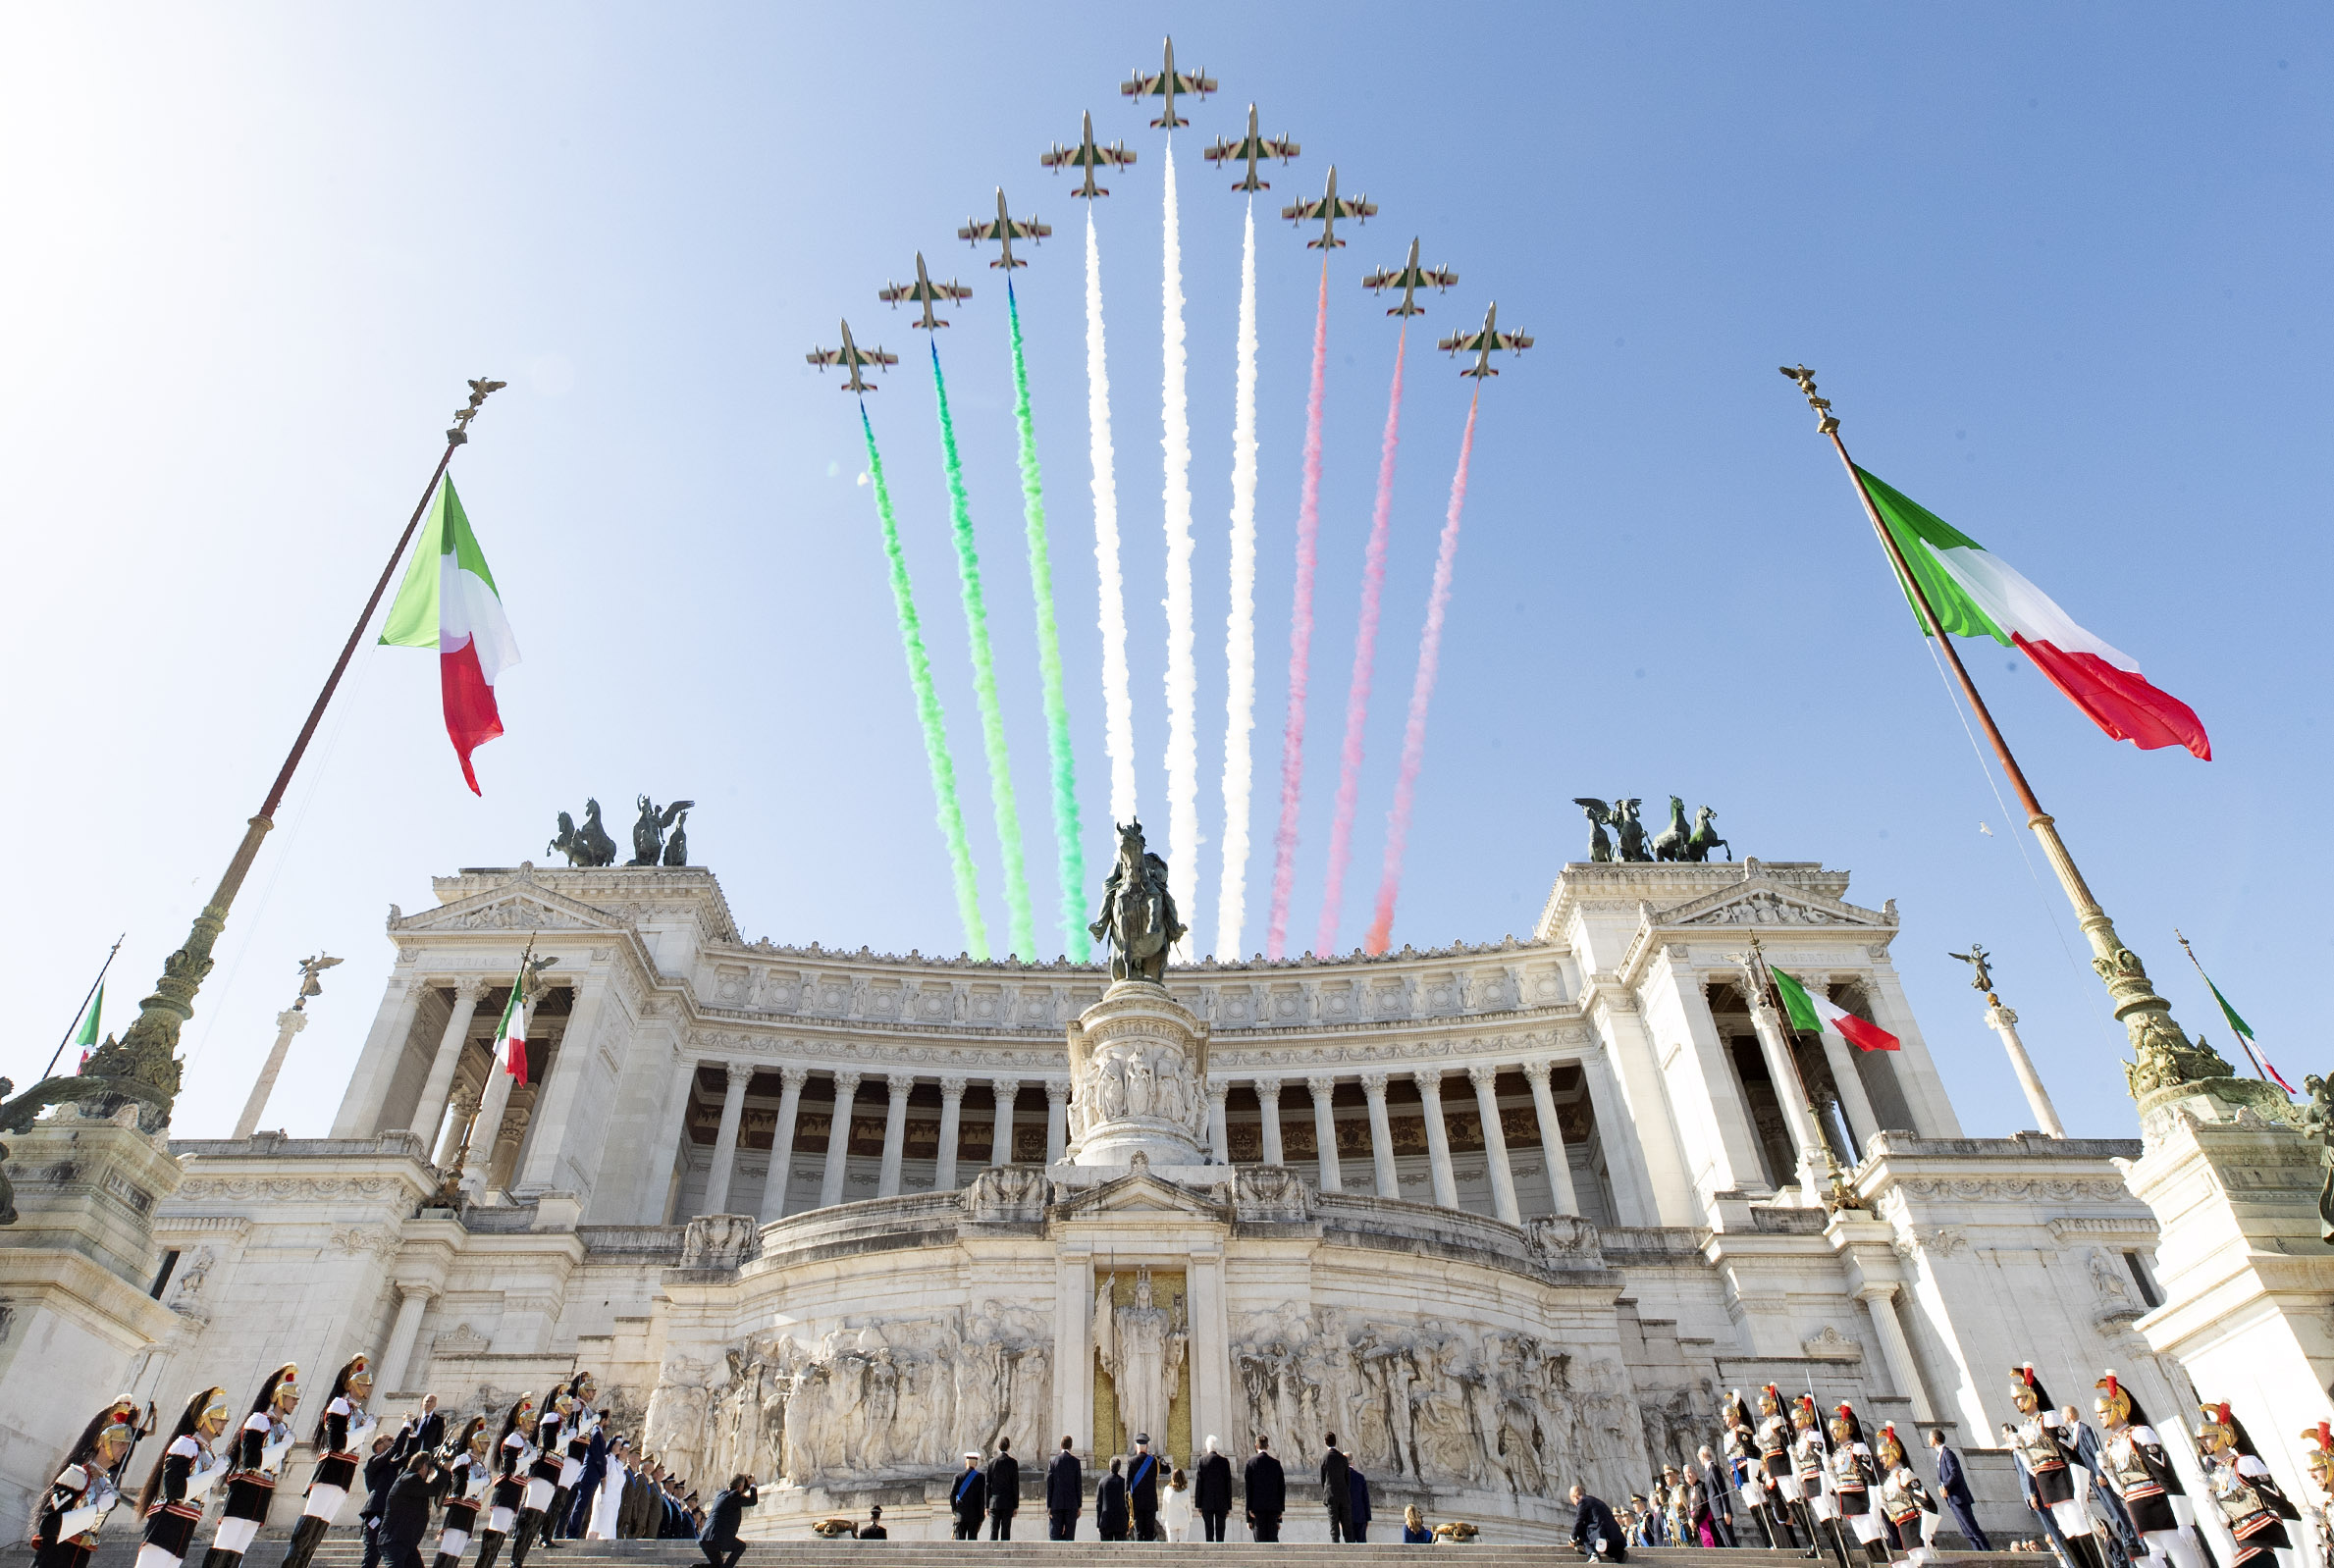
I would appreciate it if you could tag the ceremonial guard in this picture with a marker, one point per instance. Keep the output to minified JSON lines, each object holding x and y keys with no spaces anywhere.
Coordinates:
{"x":543,"y":1474}
{"x":582,"y":1421}
{"x":1809,"y":1454}
{"x":1746,"y":1466}
{"x":1786,"y":1506}
{"x":2140,"y":1473}
{"x":1848,"y":1473}
{"x":2253,"y":1503}
{"x":255,"y":1458}
{"x":2046,"y":1452}
{"x":2319,"y":1459}
{"x":180,"y":1484}
{"x":1907,"y":1502}
{"x":343,"y":1433}
{"x":511,"y":1456}
{"x":464,"y":1474}
{"x":86,"y":1490}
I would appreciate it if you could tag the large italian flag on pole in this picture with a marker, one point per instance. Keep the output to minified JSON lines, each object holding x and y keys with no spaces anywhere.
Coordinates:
{"x":447,"y":602}
{"x":510,"y":1034}
{"x":1818,"y":1015}
{"x":1977,"y":594}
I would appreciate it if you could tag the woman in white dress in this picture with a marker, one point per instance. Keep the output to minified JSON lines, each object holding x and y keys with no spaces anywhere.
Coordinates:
{"x":609,"y":1501}
{"x":1176,"y":1506}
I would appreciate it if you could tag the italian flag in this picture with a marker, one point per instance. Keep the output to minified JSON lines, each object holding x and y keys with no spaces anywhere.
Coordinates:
{"x":447,"y":602}
{"x":1977,"y":594}
{"x":510,"y":1035}
{"x":1815,"y":1015}
{"x":87,"y":1041}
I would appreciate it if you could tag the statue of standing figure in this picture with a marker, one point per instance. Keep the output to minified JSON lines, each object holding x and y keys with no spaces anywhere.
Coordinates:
{"x":1138,"y":917}
{"x":1142,"y":1346}
{"x":648,"y":833}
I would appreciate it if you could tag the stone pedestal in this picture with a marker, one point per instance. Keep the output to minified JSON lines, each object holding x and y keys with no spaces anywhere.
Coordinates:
{"x":1137,"y":1082}
{"x":75,"y":1271}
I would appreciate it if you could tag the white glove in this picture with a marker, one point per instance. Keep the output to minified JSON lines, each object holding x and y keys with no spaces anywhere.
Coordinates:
{"x":271,"y":1454}
{"x":78,"y":1520}
{"x":205,"y":1478}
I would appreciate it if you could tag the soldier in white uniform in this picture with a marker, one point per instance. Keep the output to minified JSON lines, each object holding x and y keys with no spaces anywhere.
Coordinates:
{"x":1809,"y":1456}
{"x":255,"y":1459}
{"x":514,"y":1456}
{"x":180,"y":1484}
{"x":2249,"y":1498}
{"x":85,"y":1490}
{"x":1848,"y":1476}
{"x":343,"y":1433}
{"x":465,"y":1477}
{"x":2140,"y":1473}
{"x":1905,"y":1500}
{"x":2046,"y":1452}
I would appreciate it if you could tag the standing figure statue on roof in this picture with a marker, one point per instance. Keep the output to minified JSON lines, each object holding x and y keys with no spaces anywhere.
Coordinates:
{"x":1138,"y":917}
{"x":648,"y":833}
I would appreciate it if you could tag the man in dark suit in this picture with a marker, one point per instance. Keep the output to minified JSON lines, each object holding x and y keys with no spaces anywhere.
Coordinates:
{"x":1004,"y":1490}
{"x":382,"y":1470}
{"x":1212,"y":1491}
{"x":1065,"y":1495}
{"x":1952,"y":1487}
{"x":1337,"y":1490}
{"x":969,"y":1498}
{"x":1717,"y":1487}
{"x":1595,"y":1531}
{"x":428,"y":1427}
{"x":1143,"y":1489}
{"x":1110,"y":1504}
{"x":718,"y":1536}
{"x":1357,"y":1505}
{"x":1268,"y":1492}
{"x":406,"y":1511}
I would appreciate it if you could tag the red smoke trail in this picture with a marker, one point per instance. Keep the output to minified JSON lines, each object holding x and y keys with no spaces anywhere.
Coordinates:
{"x":1365,"y":652}
{"x":1301,"y":637}
{"x":1413,"y":739}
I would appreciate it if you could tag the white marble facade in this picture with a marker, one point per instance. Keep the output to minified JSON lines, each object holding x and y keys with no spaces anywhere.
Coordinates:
{"x":1504,"y":1216}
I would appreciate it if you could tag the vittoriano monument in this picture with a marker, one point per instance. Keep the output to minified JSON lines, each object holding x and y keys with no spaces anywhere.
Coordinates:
{"x":1138,"y":920}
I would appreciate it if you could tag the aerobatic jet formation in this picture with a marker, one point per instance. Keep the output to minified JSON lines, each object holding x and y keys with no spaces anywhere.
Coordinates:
{"x":1088,"y":155}
{"x":1481,"y":343}
{"x":1166,"y":84}
{"x":1329,"y":209}
{"x":1004,"y":231}
{"x":852,"y":357}
{"x":1409,"y":278}
{"x":923,"y":292}
{"x":1251,"y":148}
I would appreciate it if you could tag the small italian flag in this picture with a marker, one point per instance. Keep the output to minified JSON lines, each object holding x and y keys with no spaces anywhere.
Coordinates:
{"x":510,"y":1034}
{"x":87,"y":1038}
{"x":1815,"y":1015}
{"x":447,"y":602}
{"x":1977,"y":594}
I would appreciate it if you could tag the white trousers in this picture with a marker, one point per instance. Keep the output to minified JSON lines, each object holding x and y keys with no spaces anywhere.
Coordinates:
{"x":539,"y":1492}
{"x":236,"y":1536}
{"x":453,"y":1541}
{"x":500,"y":1520}
{"x":324,"y":1502}
{"x":2173,"y":1546}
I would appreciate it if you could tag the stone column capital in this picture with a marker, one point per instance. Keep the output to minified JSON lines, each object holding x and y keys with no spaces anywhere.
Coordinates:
{"x":846,"y":1082}
{"x":1005,"y":1088}
{"x":899,"y":1083}
{"x":739,"y":1073}
{"x":1057,"y":1091}
{"x":1322,"y":1085}
{"x":1216,"y":1093}
{"x":1999,"y":1016}
{"x":1483,"y":1075}
{"x":416,"y":1290}
{"x":472,"y":988}
{"x":952,"y":1088}
{"x":1429,"y":1081}
{"x":1877,"y":1290}
{"x":291,"y":1020}
{"x":1268,"y":1089}
{"x":794,"y":1077}
{"x":1541,"y":1071}
{"x":1373,"y":1084}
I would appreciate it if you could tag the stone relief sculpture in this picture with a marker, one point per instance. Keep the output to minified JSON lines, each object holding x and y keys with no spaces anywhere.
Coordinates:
{"x":1142,"y":1349}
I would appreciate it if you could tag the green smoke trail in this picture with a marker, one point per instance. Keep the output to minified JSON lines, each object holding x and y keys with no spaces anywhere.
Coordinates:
{"x":927,"y":708}
{"x":1021,"y":928}
{"x":1071,"y":857}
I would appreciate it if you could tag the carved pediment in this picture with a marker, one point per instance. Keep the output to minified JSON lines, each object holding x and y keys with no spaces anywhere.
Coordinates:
{"x":1829,"y":1344}
{"x":520,"y":906}
{"x":1143,"y":1194}
{"x":1758,"y":902}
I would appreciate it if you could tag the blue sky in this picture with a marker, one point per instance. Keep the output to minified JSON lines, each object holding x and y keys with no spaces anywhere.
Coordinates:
{"x":2060,"y":266}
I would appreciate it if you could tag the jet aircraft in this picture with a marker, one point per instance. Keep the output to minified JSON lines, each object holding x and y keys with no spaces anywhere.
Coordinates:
{"x":1166,"y":84}
{"x":1004,"y":232}
{"x":1251,"y":148}
{"x":1481,"y":343}
{"x":1088,"y":155}
{"x":923,"y":292}
{"x":852,"y":357}
{"x":1409,"y":278}
{"x":1329,"y":209}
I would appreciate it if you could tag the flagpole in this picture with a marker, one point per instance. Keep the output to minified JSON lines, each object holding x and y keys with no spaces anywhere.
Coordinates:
{"x":143,"y":1065}
{"x":84,"y":1006}
{"x":2167,"y":1059}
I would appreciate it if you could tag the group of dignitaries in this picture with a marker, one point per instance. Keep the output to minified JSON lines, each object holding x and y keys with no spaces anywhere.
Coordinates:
{"x":520,"y":1479}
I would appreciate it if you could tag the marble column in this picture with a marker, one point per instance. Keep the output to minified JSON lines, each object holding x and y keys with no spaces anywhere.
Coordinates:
{"x":1219,"y":1133}
{"x":1268,"y":1101}
{"x":1880,"y":1296}
{"x":1552,"y":1137}
{"x":839,"y":1140}
{"x":895,"y":1133}
{"x":733,"y":1112}
{"x":1437,"y":1138}
{"x":479,"y":1164}
{"x":1324,"y":1089}
{"x":1074,"y":1345}
{"x":1057,"y":1119}
{"x":1381,"y":1135}
{"x":952,"y":1110}
{"x":659,"y":1193}
{"x":430,"y":1109}
{"x":1784,"y":1069}
{"x":377,"y":1064}
{"x":465,"y":1107}
{"x":1854,"y":1104}
{"x":559,"y":1128}
{"x":288,"y":1023}
{"x":1001,"y":1143}
{"x":2004,"y":1023}
{"x":412,"y":1301}
{"x":1495,"y":1143}
{"x":775,"y":1181}
{"x":1210,"y":1322}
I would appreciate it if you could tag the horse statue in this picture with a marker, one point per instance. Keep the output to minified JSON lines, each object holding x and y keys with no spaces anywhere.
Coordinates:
{"x":648,"y":833}
{"x":1138,"y":919}
{"x":1704,"y":837}
{"x":1599,"y":843}
{"x":1631,"y":832}
{"x":588,"y":845}
{"x":1670,"y":842}
{"x":676,"y":847}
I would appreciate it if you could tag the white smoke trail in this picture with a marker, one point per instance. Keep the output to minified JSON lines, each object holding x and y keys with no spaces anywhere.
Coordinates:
{"x":1118,"y":703}
{"x":1240,"y":631}
{"x":1183,"y":675}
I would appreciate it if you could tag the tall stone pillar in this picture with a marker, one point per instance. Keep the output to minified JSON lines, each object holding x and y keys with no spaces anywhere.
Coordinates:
{"x":839,"y":1140}
{"x":1268,"y":1101}
{"x":1854,"y":1103}
{"x":735,"y":1076}
{"x":1324,"y":1089}
{"x":895,"y":1133}
{"x":775,"y":1181}
{"x":1552,"y":1137}
{"x":1438,"y":1137}
{"x":1783,"y":1070}
{"x":2004,"y":1023}
{"x":1495,"y":1143}
{"x":1880,"y":1298}
{"x":288,"y":1023}
{"x":377,"y":1064}
{"x":1074,"y":1346}
{"x":1219,"y":1132}
{"x":1057,"y":1119}
{"x":430,"y":1109}
{"x":658,"y":1192}
{"x":1211,"y":1343}
{"x":487,"y":1135}
{"x":1381,"y":1135}
{"x":558,"y":1131}
{"x":413,"y":1300}
{"x":952,"y":1110}
{"x":465,"y":1106}
{"x":1001,"y":1143}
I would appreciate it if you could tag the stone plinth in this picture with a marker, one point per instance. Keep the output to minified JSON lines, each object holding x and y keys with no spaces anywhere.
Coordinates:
{"x":1137,"y":1080}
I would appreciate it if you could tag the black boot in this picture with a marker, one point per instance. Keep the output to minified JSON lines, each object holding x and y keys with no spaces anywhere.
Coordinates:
{"x":1839,"y":1542}
{"x":447,"y":1559}
{"x":1877,"y":1552}
{"x":306,"y":1537}
{"x":522,"y":1535}
{"x":1804,"y":1518}
{"x":489,"y":1547}
{"x":1774,"y":1527}
{"x":216,"y":1558}
{"x":557,"y":1520}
